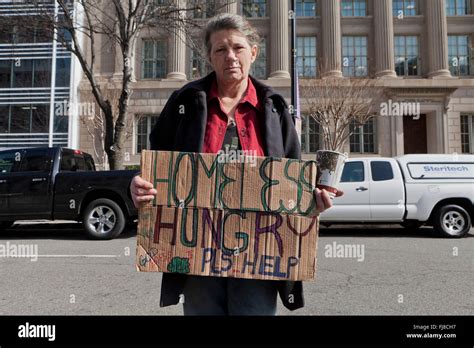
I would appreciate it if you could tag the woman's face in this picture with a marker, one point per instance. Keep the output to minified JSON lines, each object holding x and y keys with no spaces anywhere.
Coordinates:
{"x":231,"y":55}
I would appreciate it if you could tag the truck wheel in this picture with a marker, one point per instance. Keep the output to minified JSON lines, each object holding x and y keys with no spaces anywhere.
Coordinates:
{"x":6,"y":224}
{"x":103,"y":219}
{"x":452,"y":221}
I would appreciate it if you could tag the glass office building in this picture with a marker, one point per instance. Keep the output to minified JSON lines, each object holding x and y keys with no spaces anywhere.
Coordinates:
{"x":35,"y":80}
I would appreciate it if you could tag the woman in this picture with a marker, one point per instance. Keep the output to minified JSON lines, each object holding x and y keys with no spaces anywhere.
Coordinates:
{"x":227,"y":108}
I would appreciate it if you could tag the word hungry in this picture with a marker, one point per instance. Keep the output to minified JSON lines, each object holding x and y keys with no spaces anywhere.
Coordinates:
{"x":217,"y":222}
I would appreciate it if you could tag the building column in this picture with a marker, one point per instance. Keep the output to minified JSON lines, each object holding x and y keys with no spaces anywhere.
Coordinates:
{"x":383,"y":22}
{"x":279,"y":18}
{"x":331,"y":25}
{"x":177,"y":62}
{"x":437,"y":39}
{"x":229,"y":6}
{"x":396,"y":126}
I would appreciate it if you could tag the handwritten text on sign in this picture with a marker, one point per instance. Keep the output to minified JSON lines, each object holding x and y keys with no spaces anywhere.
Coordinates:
{"x":201,"y":180}
{"x":228,"y":219}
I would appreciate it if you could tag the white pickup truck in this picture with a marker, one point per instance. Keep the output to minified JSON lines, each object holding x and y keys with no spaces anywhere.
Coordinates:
{"x":412,"y":190}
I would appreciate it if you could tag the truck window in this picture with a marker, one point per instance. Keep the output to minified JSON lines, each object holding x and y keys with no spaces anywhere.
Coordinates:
{"x":72,"y":162}
{"x":381,"y":170}
{"x":353,"y":172}
{"x":35,"y":160}
{"x":89,"y":163}
{"x":9,"y":160}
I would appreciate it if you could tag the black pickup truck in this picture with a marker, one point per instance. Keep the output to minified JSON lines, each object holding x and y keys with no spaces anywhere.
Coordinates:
{"x":57,"y":183}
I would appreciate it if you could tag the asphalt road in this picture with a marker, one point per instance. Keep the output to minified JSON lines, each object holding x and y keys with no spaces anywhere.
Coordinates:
{"x":402,"y":272}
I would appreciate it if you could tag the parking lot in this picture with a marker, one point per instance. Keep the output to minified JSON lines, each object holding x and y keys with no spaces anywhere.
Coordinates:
{"x":394,"y":271}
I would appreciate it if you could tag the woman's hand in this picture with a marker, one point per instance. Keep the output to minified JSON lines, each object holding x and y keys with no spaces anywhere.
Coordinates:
{"x":142,"y":191}
{"x":323,"y":201}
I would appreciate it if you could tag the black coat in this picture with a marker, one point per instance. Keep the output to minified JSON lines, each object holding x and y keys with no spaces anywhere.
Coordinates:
{"x":181,"y":127}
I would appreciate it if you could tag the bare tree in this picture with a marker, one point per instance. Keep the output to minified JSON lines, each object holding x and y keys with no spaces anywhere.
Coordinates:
{"x":335,"y":103}
{"x":121,"y":22}
{"x":93,"y":121}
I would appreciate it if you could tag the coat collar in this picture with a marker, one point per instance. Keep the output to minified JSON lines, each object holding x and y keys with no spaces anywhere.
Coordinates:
{"x":250,"y":95}
{"x":198,"y":90}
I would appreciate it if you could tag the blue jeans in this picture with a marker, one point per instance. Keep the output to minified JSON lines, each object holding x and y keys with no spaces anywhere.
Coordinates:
{"x":229,"y":296}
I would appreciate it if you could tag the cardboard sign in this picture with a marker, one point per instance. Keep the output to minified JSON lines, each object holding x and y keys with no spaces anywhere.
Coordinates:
{"x":195,"y":180}
{"x":214,"y":217}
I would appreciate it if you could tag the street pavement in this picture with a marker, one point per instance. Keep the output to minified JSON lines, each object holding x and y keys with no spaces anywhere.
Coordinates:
{"x":400,"y":272}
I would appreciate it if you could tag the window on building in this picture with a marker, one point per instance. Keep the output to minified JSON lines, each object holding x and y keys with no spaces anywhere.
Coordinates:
{"x":306,"y":59}
{"x":203,"y":8}
{"x":20,"y":119}
{"x":156,"y":6}
{"x":18,"y":33}
{"x":60,"y":123}
{"x":254,"y":8}
{"x":153,"y":59}
{"x":45,"y":35}
{"x":406,"y":55}
{"x":259,"y":67}
{"x":5,"y":73}
{"x":143,"y":127}
{"x":199,"y":65}
{"x":40,"y":119}
{"x":457,"y":7}
{"x":353,"y":8}
{"x":158,"y":2}
{"x":29,"y":118}
{"x":354,"y":56}
{"x":306,"y":8}
{"x":362,"y":139}
{"x":4,"y":118}
{"x":63,"y":72}
{"x":22,"y":73}
{"x":24,"y":33}
{"x":6,"y":35}
{"x":310,"y":135}
{"x":64,"y":36}
{"x":404,"y":8}
{"x":459,"y":55}
{"x":467,"y":133}
{"x":42,"y":73}
{"x":26,"y":73}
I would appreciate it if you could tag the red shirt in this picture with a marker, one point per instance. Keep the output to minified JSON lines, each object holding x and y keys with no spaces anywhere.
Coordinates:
{"x":247,"y":119}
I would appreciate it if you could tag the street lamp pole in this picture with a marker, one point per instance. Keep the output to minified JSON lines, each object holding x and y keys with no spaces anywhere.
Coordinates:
{"x":293,"y":59}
